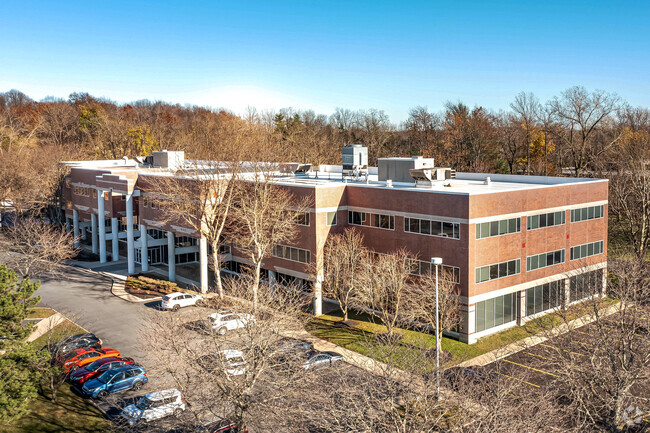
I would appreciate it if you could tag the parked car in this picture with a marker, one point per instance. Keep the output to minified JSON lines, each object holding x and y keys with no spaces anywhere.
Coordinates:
{"x":223,"y":321}
{"x":223,"y":426}
{"x":75,"y":342}
{"x":80,"y":357}
{"x":174,"y":301}
{"x":321,"y":360}
{"x":291,"y":345}
{"x":115,"y":380}
{"x":233,"y":361}
{"x":96,"y":368}
{"x":155,"y":405}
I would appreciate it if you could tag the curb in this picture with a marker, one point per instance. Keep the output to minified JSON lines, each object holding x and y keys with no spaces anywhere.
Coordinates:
{"x":118,"y":289}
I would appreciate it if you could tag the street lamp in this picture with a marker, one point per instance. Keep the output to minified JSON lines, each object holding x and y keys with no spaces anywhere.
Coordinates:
{"x":437,"y":261}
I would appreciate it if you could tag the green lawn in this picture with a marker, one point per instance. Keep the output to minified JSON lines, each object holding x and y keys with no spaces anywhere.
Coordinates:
{"x":40,"y":313}
{"x":70,"y":413}
{"x":361,"y":338}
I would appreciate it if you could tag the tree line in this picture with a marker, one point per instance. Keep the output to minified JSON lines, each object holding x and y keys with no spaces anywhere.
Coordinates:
{"x":578,"y":132}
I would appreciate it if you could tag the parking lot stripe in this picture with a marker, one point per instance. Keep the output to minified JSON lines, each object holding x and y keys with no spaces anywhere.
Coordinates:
{"x":553,"y":347}
{"x":539,"y":356}
{"x":535,"y":369}
{"x":527,"y":383}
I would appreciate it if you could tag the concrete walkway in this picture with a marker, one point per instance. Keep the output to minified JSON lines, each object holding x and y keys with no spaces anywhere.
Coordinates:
{"x":520,"y":345}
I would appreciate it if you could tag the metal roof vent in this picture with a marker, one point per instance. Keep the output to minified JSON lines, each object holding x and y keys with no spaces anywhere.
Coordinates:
{"x":389,"y":183}
{"x":488,"y":181}
{"x":426,"y":176}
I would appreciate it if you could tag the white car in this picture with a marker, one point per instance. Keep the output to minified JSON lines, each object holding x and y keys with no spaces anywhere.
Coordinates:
{"x":155,"y":405}
{"x":174,"y":301}
{"x":223,"y":321}
{"x":233,"y":361}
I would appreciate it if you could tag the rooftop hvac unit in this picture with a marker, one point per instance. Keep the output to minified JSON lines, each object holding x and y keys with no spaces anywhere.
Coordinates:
{"x":355,"y":160}
{"x":425,"y":176}
{"x":294,"y":168}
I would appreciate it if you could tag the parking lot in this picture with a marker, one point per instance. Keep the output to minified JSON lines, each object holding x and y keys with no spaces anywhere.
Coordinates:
{"x":86,"y":297}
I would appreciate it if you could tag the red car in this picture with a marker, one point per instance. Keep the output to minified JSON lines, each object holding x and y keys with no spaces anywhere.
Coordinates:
{"x":95,"y":368}
{"x":80,"y":357}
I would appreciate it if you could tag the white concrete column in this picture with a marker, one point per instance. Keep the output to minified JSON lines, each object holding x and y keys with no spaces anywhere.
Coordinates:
{"x":75,"y":227}
{"x":101,"y":226}
{"x":318,"y":296}
{"x":604,"y":291}
{"x":203,"y":260}
{"x":520,"y":297}
{"x":171,"y":255}
{"x":130,"y":251}
{"x":93,"y":232}
{"x":115,"y":244}
{"x":144,"y":251}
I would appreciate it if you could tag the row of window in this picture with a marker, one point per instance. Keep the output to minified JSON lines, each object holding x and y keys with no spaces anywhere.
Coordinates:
{"x":498,"y":270}
{"x":587,"y":213}
{"x":432,"y":228}
{"x":84,"y":191}
{"x":496,"y":311}
{"x":545,"y":259}
{"x":371,"y":219}
{"x":544,"y":297}
{"x":291,"y":253}
{"x":585,"y":285}
{"x":498,"y":228}
{"x":545,"y":220}
{"x":451,"y":273}
{"x":586,"y":250}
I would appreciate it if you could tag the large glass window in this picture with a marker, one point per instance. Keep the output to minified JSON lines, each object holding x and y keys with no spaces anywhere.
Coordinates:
{"x":432,"y":228}
{"x":545,"y":259}
{"x":331,"y":218}
{"x":585,"y":285}
{"x":356,"y":218}
{"x":498,"y":270}
{"x":383,"y":221}
{"x":495,"y":312}
{"x":587,"y":213}
{"x":498,"y":228}
{"x":544,"y":297}
{"x":545,"y":220}
{"x":291,"y":253}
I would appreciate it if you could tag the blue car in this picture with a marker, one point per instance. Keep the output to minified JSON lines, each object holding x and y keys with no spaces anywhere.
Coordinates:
{"x":115,"y":380}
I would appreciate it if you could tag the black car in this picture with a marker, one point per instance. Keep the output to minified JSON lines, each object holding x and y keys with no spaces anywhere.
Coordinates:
{"x":75,"y":342}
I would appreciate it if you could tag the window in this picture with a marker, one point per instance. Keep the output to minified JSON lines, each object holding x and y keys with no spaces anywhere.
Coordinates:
{"x":451,"y":273}
{"x":301,"y":218}
{"x":587,"y":213}
{"x":498,"y":270}
{"x":123,"y":197}
{"x":383,"y":221}
{"x":495,"y":312}
{"x":586,"y":250}
{"x":145,"y":202}
{"x":544,"y":297}
{"x":545,"y":259}
{"x":545,"y":220}
{"x":432,"y":228}
{"x":585,"y":285}
{"x":498,"y":228}
{"x":331,"y":218}
{"x":356,"y":218}
{"x":291,"y":253}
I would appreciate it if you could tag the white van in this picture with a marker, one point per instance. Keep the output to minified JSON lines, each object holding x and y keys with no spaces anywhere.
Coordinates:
{"x":155,"y":405}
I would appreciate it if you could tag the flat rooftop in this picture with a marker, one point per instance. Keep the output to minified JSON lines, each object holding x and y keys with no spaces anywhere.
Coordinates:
{"x":331,"y":176}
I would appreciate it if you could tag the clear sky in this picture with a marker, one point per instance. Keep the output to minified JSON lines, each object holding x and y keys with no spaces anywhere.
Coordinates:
{"x":321,"y":55}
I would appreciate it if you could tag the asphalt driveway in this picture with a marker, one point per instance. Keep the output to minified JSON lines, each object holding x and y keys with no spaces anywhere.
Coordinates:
{"x":85,"y":297}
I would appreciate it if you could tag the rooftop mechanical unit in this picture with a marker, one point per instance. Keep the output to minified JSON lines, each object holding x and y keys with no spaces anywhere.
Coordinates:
{"x":426,"y":176}
{"x":355,"y":160}
{"x":294,"y":168}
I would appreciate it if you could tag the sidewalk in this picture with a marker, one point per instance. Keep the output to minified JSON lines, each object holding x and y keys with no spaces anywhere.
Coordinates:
{"x":520,"y":345}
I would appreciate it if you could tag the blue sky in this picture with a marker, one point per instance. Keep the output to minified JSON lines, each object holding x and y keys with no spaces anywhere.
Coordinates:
{"x":321,"y":55}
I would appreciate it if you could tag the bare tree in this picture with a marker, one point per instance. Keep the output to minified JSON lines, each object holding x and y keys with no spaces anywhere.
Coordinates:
{"x":344,"y":259}
{"x":386,"y":283}
{"x":263,"y":217}
{"x":34,"y":247}
{"x":196,"y":361}
{"x":579,"y":117}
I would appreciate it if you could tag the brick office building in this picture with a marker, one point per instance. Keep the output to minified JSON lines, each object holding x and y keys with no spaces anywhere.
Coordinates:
{"x":516,"y":246}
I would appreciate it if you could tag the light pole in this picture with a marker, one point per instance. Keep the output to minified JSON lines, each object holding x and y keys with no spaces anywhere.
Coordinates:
{"x":437,"y":261}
